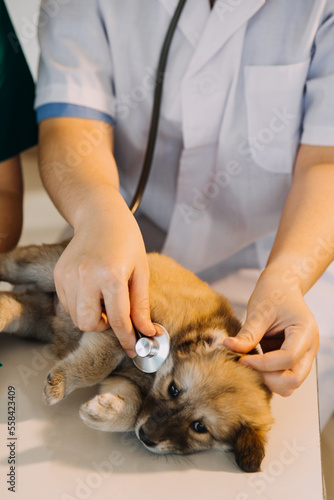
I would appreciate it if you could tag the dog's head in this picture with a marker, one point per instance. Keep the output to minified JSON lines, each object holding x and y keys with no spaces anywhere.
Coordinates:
{"x":203,"y":398}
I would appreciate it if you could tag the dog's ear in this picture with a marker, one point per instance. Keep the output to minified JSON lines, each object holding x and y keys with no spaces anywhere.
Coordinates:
{"x":249,"y":448}
{"x":210,"y":339}
{"x":217,"y":338}
{"x":216,"y":341}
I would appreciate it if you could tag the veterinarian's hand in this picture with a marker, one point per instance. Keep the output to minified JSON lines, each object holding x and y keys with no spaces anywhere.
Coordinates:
{"x":106,"y":260}
{"x":278,"y":318}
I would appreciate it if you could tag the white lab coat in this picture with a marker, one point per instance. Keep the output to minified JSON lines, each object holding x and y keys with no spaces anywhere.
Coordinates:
{"x":246,"y":83}
{"x":234,"y":105}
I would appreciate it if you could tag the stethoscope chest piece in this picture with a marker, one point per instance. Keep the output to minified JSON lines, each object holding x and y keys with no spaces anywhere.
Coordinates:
{"x":152,"y":351}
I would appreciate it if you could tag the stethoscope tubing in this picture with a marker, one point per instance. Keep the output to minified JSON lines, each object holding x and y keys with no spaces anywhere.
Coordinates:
{"x":152,"y":135}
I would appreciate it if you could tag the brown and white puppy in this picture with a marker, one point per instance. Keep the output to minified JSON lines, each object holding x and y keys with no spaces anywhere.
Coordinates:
{"x":201,"y":398}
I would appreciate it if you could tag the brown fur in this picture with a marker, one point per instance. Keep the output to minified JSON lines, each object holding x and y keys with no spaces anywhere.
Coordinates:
{"x":201,"y":397}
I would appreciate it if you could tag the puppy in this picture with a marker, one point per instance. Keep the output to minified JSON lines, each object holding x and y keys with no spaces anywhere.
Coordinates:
{"x":201,"y":397}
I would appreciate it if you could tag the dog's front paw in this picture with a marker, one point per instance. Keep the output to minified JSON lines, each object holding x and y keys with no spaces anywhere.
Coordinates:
{"x":104,"y":412}
{"x":54,"y":389}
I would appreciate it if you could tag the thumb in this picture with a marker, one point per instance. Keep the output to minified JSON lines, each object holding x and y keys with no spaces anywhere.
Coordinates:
{"x":248,"y":337}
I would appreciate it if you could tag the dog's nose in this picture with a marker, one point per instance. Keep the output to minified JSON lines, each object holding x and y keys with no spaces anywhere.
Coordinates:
{"x":145,"y":439}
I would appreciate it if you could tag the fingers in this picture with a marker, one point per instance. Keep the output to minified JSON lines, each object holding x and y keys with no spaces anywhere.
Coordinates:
{"x":248,"y":337}
{"x":299,"y":339}
{"x":139,"y":302}
{"x":82,"y":303}
{"x":126,"y":300}
{"x":287,"y":381}
{"x":285,"y":369}
{"x":291,"y":351}
{"x":281,"y":322}
{"x":117,"y":304}
{"x":127,"y":304}
{"x":60,"y":290}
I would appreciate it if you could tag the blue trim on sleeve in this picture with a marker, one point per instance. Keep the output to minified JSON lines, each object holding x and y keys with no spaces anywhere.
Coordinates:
{"x":57,"y":109}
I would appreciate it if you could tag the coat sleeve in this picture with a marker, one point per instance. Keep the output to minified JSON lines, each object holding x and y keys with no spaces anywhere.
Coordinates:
{"x":318,"y":123}
{"x":75,"y":63}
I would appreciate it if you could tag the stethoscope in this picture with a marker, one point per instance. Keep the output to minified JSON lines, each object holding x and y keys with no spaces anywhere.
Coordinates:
{"x":152,"y":135}
{"x":152,"y":351}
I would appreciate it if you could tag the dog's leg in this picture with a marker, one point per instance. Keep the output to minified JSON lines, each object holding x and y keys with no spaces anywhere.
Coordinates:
{"x":96,"y":356}
{"x":28,"y":316}
{"x":31,"y":265}
{"x":116,"y":408}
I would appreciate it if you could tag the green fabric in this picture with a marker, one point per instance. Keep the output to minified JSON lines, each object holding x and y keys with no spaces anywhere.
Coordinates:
{"x":18,"y":129}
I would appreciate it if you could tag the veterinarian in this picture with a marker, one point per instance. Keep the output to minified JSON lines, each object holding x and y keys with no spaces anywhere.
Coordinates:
{"x":245,"y":146}
{"x":18,"y":129}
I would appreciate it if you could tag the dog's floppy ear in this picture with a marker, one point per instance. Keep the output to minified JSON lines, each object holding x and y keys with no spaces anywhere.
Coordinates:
{"x":249,"y":448}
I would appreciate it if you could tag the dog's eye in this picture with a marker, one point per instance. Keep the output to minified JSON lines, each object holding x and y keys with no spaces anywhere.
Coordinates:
{"x":199,"y":427}
{"x":173,"y":390}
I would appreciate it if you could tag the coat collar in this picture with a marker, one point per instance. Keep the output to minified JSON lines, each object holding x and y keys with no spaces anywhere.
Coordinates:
{"x":193,"y":18}
{"x":208,"y":30}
